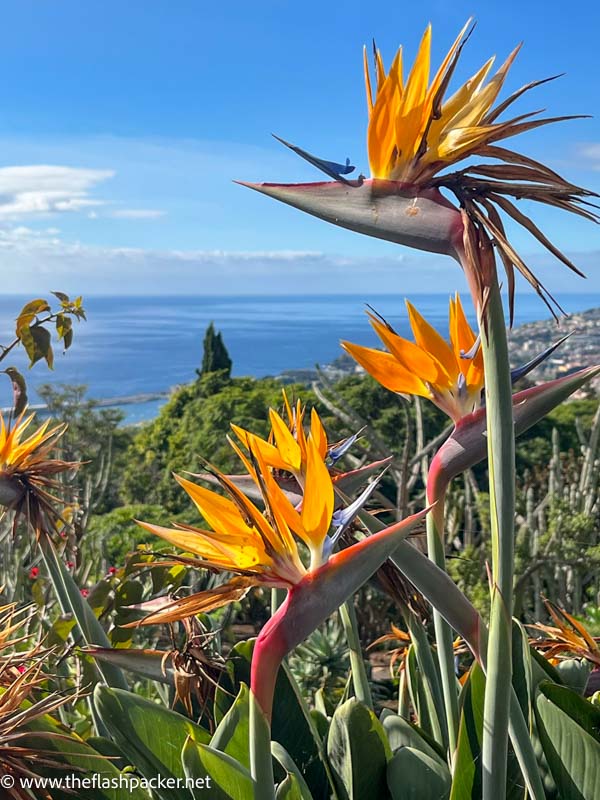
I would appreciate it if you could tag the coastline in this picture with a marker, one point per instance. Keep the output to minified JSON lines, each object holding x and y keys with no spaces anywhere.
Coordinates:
{"x":582,"y":348}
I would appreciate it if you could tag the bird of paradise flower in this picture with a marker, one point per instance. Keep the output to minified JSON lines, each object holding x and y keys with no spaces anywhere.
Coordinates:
{"x":415,"y":132}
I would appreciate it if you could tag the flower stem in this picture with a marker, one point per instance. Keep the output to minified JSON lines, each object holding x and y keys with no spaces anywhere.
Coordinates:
{"x":403,"y":698}
{"x":277,"y":598}
{"x":269,"y":651}
{"x":362,"y":690}
{"x":443,"y":632}
{"x":501,"y":461}
{"x":261,"y":761}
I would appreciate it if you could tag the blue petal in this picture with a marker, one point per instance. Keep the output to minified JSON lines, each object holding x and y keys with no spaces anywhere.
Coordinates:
{"x":474,"y":349}
{"x":335,"y":453}
{"x":344,"y":516}
{"x":520,"y":372}
{"x":331,"y":168}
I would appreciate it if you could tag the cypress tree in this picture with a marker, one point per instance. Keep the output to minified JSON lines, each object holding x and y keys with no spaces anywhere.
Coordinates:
{"x":215,"y":357}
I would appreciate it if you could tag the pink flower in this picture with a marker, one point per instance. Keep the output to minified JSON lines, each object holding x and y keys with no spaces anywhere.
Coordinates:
{"x":34,"y":572}
{"x":84,"y":592}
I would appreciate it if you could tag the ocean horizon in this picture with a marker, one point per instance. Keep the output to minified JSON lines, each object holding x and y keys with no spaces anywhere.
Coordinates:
{"x":141,"y":345}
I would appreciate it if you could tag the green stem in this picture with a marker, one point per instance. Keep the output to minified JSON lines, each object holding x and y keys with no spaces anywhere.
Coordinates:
{"x":443,"y":632}
{"x":501,"y":463}
{"x":360,"y":679}
{"x":428,"y":675}
{"x":261,"y":761}
{"x":277,"y":598}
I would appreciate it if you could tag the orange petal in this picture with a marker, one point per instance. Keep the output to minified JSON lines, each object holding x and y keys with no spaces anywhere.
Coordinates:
{"x":410,"y":121}
{"x":430,"y":340}
{"x":288,"y":447}
{"x":269,"y":452}
{"x":318,"y":500}
{"x":387,"y":371}
{"x":244,"y":554}
{"x":409,"y":355}
{"x":317,"y":433}
{"x":219,"y":512}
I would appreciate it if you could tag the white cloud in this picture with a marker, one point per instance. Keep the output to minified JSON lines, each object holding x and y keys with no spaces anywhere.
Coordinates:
{"x":137,"y":213}
{"x":591,"y":153}
{"x":39,"y":261}
{"x":36,"y":190}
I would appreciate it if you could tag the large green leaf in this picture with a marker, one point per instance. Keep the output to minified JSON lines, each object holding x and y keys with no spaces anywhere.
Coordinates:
{"x":574,"y":673}
{"x":290,"y":789}
{"x":358,"y":752}
{"x":466,"y":784}
{"x":150,"y":735}
{"x":568,"y":728}
{"x":216,"y":775}
{"x":291,"y":726}
{"x":149,"y":664}
{"x":467,"y":780}
{"x":233,"y":732}
{"x":46,"y":735}
{"x":430,"y":689}
{"x":403,"y":733}
{"x":286,"y":761}
{"x":420,"y":698}
{"x":582,"y":711}
{"x":414,"y":775}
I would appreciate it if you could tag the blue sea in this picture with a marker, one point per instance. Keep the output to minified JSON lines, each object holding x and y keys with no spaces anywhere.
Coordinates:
{"x":137,"y":345}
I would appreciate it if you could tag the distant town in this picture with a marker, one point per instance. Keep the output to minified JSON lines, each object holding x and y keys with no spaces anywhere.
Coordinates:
{"x":581,"y":349}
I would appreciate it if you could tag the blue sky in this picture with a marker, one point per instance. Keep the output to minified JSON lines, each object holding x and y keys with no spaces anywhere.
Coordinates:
{"x":123,"y":125}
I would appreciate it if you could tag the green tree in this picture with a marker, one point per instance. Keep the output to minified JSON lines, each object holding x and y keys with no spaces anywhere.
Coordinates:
{"x":94,"y":437}
{"x":215,"y":357}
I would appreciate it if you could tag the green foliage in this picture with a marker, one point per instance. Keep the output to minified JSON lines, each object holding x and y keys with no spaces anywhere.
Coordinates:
{"x":215,"y":357}
{"x":358,"y":751}
{"x":569,"y":729}
{"x":118,"y":534}
{"x":413,"y":774}
{"x":534,"y":447}
{"x":33,"y":333}
{"x":151,"y":736}
{"x":292,"y":725}
{"x":210,"y":769}
{"x":467,"y":570}
{"x":78,"y":758}
{"x":95,"y":437}
{"x":321,"y":662}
